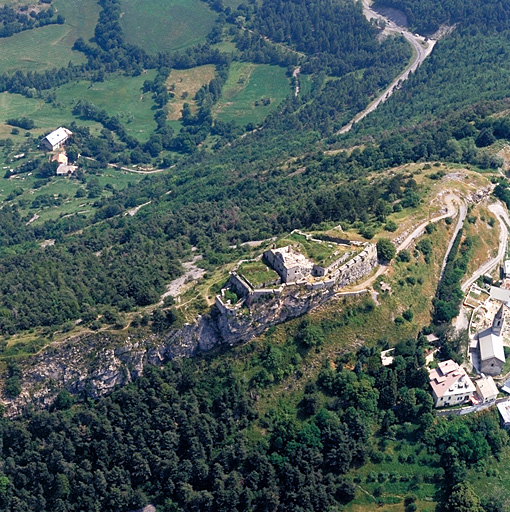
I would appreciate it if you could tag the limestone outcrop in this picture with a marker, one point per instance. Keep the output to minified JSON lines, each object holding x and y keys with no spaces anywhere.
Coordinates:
{"x":94,"y":364}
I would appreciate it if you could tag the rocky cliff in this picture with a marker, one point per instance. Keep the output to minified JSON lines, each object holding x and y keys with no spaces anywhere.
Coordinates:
{"x":92,"y":365}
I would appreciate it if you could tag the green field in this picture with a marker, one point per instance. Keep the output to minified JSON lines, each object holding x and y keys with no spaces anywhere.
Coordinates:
{"x":247,"y":84}
{"x":165,"y":25}
{"x":119,"y":95}
{"x":257,"y":273}
{"x":39,"y":49}
{"x":80,"y":15}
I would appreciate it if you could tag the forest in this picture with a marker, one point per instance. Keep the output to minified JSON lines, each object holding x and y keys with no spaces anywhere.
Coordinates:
{"x":427,"y":16}
{"x":187,"y":439}
{"x":221,"y":432}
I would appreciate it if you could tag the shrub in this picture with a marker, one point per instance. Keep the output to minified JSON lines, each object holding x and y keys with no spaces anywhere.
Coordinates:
{"x":385,"y":250}
{"x":404,"y":256}
{"x":391,"y":226}
{"x":408,"y":315}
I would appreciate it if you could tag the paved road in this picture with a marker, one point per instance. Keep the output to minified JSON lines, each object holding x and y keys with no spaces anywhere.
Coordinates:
{"x":471,"y":408}
{"x":422,"y":50}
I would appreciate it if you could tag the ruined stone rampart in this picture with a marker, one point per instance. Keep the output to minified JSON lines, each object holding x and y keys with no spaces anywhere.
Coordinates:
{"x":93,"y":364}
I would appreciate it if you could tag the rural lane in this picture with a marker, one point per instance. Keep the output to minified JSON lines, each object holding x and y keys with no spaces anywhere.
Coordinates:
{"x":451,"y":211}
{"x":422,"y":49}
{"x":504,"y":220}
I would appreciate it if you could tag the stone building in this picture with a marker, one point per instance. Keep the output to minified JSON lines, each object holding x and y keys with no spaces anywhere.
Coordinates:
{"x":450,"y":384}
{"x":290,"y":265}
{"x":490,"y":343}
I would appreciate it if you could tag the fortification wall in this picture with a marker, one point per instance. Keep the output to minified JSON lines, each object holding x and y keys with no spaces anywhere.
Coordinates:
{"x":359,"y":266}
{"x":239,"y":286}
{"x":266,"y":307}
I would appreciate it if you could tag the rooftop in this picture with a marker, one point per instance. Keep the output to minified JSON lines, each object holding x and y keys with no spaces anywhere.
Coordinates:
{"x":58,"y":136}
{"x":318,"y":251}
{"x":500,"y":294}
{"x":449,"y":377}
{"x":292,"y":258}
{"x":504,"y":410}
{"x":490,"y":346}
{"x":486,"y":387}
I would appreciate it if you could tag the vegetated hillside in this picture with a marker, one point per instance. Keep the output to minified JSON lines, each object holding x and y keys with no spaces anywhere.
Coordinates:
{"x":427,"y":15}
{"x":303,"y":420}
{"x":111,"y":263}
{"x":220,"y":434}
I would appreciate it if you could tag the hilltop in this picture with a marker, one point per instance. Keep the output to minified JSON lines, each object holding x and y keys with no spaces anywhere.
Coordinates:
{"x":265,"y":196}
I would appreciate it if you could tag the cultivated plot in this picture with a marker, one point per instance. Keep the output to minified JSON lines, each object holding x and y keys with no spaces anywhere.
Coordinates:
{"x":251,"y":92}
{"x":184,"y":84}
{"x":166,"y":25}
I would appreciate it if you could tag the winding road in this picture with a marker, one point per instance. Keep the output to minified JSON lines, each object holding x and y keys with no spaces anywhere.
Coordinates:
{"x":504,"y":221}
{"x":451,"y":200}
{"x":422,"y":49}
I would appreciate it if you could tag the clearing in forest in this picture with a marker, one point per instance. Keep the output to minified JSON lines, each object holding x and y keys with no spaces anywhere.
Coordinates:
{"x":50,"y":46}
{"x":251,"y":92}
{"x":184,"y":84}
{"x":166,"y":25}
{"x":39,"y":49}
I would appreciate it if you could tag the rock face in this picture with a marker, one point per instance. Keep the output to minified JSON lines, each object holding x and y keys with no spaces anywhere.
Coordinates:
{"x":93,"y":365}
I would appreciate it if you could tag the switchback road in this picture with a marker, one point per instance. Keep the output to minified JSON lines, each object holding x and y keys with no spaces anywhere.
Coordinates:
{"x":422,"y":49}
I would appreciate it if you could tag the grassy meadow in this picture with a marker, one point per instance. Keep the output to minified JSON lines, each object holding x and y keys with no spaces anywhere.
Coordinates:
{"x":184,"y":84}
{"x":248,"y":84}
{"x":80,"y":15}
{"x":166,"y":25}
{"x":50,"y":46}
{"x":119,"y":95}
{"x":39,"y":49}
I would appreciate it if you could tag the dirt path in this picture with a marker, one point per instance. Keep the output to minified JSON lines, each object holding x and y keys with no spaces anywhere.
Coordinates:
{"x":135,"y":210}
{"x":451,"y":211}
{"x":504,"y":221}
{"x":192,"y":274}
{"x":450,"y":200}
{"x":422,"y":49}
{"x":137,"y":171}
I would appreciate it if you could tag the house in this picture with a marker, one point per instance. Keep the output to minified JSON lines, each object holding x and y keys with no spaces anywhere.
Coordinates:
{"x":386,"y":357}
{"x":290,"y":265}
{"x":430,"y":354}
{"x":432,"y":338}
{"x":450,"y":384}
{"x":504,"y":411}
{"x":61,"y":158}
{"x":500,"y":294}
{"x":66,"y":170}
{"x":490,"y":344}
{"x":506,"y":268}
{"x":486,"y":389}
{"x":56,"y":139}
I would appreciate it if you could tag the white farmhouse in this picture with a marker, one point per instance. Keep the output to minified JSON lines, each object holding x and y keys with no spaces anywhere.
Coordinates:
{"x":56,"y":139}
{"x":450,"y":384}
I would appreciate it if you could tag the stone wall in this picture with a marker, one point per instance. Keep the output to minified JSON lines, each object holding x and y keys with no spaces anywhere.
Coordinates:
{"x":92,"y":365}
